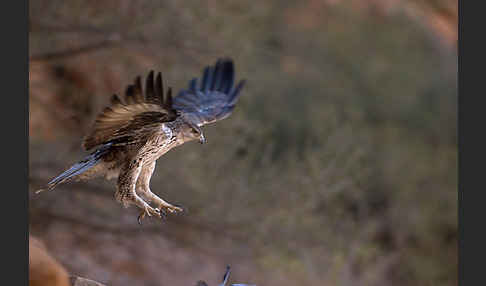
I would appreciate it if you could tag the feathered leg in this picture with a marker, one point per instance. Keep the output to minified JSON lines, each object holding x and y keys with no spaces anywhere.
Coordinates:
{"x":126,"y":189}
{"x":143,"y":188}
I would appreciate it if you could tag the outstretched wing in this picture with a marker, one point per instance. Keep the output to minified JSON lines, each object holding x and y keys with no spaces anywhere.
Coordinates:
{"x":132,"y":120}
{"x":213,"y":97}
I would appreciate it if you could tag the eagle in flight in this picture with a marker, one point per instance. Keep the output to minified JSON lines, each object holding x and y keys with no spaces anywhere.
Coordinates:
{"x":131,"y":134}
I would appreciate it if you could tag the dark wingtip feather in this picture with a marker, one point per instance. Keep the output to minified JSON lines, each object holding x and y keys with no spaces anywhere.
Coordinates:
{"x":217,"y":75}
{"x":151,"y":74}
{"x":115,"y":99}
{"x":149,"y":86}
{"x":228,"y":77}
{"x":138,"y":85}
{"x":159,"y":88}
{"x":193,"y":85}
{"x":205,"y":80}
{"x":130,"y":94}
{"x":233,"y":97}
{"x":168,"y":100}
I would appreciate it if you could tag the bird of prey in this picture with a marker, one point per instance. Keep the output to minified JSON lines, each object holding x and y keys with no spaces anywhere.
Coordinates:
{"x":131,"y":134}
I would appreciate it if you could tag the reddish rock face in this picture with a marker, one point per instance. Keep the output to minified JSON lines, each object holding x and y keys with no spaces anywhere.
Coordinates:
{"x":43,"y":268}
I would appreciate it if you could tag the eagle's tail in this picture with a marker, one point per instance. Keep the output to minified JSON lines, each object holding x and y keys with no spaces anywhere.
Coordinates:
{"x":78,"y":168}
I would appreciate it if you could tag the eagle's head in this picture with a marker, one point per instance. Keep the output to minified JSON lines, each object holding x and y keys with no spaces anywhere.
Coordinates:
{"x":191,"y":130}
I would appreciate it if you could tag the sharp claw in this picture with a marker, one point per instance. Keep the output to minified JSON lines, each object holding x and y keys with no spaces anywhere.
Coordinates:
{"x":142,"y":216}
{"x":181,"y":209}
{"x":163,"y":213}
{"x":171,"y":209}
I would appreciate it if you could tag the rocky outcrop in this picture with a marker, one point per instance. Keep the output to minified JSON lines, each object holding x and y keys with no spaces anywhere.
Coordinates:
{"x":43,"y":268}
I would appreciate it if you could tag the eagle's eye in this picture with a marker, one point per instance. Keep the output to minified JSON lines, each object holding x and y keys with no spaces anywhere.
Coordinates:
{"x":194,"y":131}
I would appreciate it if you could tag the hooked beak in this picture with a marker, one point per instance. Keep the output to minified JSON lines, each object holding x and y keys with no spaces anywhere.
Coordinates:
{"x":202,"y":139}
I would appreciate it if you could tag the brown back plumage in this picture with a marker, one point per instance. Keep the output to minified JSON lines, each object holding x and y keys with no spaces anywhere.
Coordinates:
{"x":124,"y":122}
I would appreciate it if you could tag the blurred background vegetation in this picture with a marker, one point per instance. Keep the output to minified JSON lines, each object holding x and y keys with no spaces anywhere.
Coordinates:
{"x":338,"y":166}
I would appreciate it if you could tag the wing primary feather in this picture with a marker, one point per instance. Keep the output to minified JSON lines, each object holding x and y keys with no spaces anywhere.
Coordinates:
{"x":193,"y":85}
{"x":217,"y":76}
{"x":233,"y":97}
{"x":204,"y":81}
{"x":115,"y":100}
{"x":149,"y":86}
{"x":228,"y":77}
{"x":137,"y":87}
{"x":168,"y":99}
{"x":159,"y":88}
{"x":130,"y":94}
